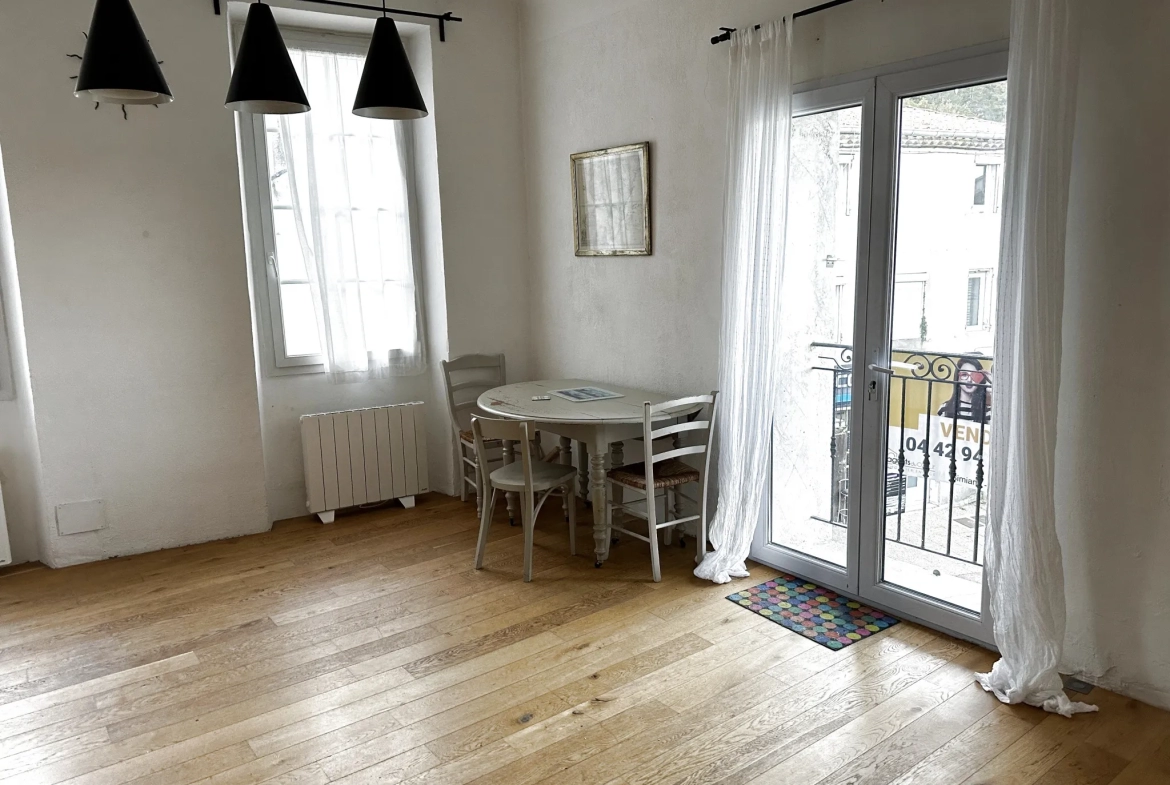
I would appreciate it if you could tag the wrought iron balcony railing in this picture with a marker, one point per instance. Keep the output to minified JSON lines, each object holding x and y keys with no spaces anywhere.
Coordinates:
{"x":938,"y":428}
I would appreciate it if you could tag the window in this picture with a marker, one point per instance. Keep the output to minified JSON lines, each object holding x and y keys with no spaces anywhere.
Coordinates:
{"x":294,"y":301}
{"x":842,"y":316}
{"x":330,"y":211}
{"x":981,"y":186}
{"x":974,"y":292}
{"x":978,"y":315}
{"x":986,"y":186}
{"x":845,"y":189}
{"x":909,"y":326}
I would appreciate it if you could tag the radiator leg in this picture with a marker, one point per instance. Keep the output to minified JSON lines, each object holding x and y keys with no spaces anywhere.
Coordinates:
{"x":407,"y":502}
{"x":326,"y":517}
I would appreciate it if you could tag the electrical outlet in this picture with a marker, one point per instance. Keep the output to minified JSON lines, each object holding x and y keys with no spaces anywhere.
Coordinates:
{"x":81,"y":517}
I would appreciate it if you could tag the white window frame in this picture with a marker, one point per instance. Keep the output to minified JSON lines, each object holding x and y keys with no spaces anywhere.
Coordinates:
{"x":983,"y":322}
{"x":258,"y":209}
{"x":847,"y":165}
{"x":992,"y":167}
{"x":904,"y":278}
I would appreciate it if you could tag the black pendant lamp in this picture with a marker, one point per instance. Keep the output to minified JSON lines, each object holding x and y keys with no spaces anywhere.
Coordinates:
{"x":388,"y":90}
{"x":264,"y":80}
{"x":119,"y":66}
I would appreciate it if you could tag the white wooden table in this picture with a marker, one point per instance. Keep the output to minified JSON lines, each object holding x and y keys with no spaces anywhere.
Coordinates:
{"x":600,"y":425}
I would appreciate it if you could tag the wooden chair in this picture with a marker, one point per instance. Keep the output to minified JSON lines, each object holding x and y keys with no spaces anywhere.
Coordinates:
{"x":526,"y":477}
{"x":465,"y":379}
{"x":662,"y":470}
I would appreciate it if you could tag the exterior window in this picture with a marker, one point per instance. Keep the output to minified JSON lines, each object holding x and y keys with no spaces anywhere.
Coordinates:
{"x":909,"y":321}
{"x":986,"y":195}
{"x":978,"y":310}
{"x":847,"y":196}
{"x":842,"y":317}
{"x":974,"y":299}
{"x":331,"y":221}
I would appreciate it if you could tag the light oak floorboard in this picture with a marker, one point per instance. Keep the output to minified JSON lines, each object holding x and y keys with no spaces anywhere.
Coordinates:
{"x":370,"y":651}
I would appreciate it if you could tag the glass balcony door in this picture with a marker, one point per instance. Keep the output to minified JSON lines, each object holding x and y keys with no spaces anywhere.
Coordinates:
{"x":813,"y":528}
{"x":929,"y":341}
{"x":879,"y":459}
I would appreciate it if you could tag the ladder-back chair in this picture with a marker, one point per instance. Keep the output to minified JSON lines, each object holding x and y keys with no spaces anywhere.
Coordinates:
{"x":662,"y":470}
{"x":465,"y":379}
{"x":527,"y":477}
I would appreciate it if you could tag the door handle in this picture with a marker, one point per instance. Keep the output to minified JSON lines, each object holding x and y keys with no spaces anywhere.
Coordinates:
{"x":892,"y":371}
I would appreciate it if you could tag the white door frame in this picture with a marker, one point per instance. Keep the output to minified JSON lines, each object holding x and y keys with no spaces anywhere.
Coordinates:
{"x":846,"y":579}
{"x":876,"y":352}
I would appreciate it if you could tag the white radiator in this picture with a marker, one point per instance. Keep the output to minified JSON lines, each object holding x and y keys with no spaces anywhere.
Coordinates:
{"x":364,"y":456}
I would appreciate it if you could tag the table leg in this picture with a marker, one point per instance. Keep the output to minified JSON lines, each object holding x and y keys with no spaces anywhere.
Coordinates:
{"x":583,"y":470}
{"x":597,"y":488}
{"x":617,"y":457}
{"x":566,"y":457}
{"x":508,"y":455}
{"x":678,"y":505}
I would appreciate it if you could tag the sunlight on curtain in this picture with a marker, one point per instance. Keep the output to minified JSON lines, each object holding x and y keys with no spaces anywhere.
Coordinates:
{"x":348,"y":180}
{"x":759,"y":121}
{"x":1025,"y":572}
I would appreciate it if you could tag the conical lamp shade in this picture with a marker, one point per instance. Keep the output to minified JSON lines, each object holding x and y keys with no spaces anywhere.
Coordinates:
{"x":119,"y":66}
{"x":388,"y":90}
{"x":264,"y":81}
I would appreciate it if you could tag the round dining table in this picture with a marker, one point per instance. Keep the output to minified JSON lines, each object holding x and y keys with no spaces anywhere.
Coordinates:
{"x":600,"y":425}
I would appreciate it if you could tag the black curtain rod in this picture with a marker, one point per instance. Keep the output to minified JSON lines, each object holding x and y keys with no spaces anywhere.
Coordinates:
{"x":727,"y":31}
{"x":442,"y":19}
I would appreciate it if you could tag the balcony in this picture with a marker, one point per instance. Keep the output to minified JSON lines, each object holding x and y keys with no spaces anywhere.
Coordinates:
{"x":938,"y":426}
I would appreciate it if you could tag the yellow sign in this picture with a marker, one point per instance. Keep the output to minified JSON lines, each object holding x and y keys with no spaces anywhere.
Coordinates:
{"x":943,"y":414}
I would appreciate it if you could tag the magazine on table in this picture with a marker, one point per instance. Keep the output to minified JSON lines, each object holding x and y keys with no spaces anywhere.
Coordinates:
{"x":582,"y":394}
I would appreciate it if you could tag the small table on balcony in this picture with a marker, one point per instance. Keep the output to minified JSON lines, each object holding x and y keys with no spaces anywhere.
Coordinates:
{"x":600,"y":425}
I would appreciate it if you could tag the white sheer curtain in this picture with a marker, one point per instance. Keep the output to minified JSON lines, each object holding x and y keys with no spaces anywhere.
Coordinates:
{"x":759,"y":122}
{"x":1025,"y":574}
{"x":348,"y":178}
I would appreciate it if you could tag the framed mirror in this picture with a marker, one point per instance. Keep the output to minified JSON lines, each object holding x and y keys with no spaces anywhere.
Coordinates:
{"x":611,"y":201}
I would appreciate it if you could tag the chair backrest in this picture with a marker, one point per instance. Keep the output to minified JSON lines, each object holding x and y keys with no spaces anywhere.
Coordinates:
{"x":465,"y":379}
{"x":518,"y":431}
{"x":660,"y":421}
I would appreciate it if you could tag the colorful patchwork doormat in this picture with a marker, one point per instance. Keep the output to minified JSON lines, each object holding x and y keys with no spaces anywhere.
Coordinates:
{"x":815,"y":612}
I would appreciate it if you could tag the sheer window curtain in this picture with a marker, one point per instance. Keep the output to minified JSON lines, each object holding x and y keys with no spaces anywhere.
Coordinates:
{"x":759,"y":122}
{"x":349,"y":182}
{"x":1025,"y":574}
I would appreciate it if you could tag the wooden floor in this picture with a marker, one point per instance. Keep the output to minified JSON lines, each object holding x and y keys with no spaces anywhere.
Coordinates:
{"x":370,"y":652}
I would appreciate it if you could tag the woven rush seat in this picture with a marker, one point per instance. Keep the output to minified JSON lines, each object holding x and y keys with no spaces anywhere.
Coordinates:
{"x":467,"y":437}
{"x":667,"y":474}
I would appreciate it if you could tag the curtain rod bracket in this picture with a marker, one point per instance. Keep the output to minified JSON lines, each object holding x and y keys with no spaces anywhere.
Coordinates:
{"x":724,"y":36}
{"x":442,"y":19}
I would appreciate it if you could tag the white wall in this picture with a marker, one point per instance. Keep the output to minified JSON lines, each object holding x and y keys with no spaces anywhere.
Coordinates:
{"x":1113,"y":445}
{"x":600,"y":74}
{"x":129,"y":243}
